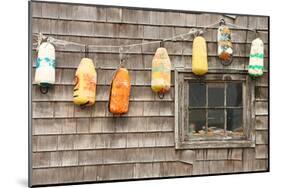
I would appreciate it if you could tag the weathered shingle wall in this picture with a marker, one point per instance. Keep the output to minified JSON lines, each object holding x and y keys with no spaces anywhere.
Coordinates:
{"x":70,"y":144}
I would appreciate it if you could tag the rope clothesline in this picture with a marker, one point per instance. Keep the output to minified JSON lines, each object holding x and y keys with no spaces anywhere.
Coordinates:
{"x":183,"y":36}
{"x":55,"y":41}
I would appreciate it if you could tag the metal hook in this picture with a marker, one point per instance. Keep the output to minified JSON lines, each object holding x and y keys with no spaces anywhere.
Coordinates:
{"x":44,"y":90}
{"x":122,"y":61}
{"x":256,"y":33}
{"x":83,"y":106}
{"x":162,"y":43}
{"x":86,"y":51}
{"x":200,"y":78}
{"x":222,"y":22}
{"x":161,"y":95}
{"x":226,"y":63}
{"x":196,"y":33}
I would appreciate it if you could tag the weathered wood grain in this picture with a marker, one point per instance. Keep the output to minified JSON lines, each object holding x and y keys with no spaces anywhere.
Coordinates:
{"x":261,"y":164}
{"x":65,"y":142}
{"x":36,"y":9}
{"x":71,"y":174}
{"x":261,"y":93}
{"x":116,"y":156}
{"x":90,"y":173}
{"x":261,"y":108}
{"x":217,"y":154}
{"x":261,"y":123}
{"x":261,"y":151}
{"x":262,"y":81}
{"x":42,"y":110}
{"x":235,"y":154}
{"x":248,"y":159}
{"x":224,"y":166}
{"x":102,"y":141}
{"x":46,"y":143}
{"x":261,"y":137}
{"x":45,"y":176}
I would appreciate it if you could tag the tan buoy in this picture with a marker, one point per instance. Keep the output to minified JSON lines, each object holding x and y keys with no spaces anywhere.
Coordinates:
{"x":161,"y":72}
{"x":225,"y":50}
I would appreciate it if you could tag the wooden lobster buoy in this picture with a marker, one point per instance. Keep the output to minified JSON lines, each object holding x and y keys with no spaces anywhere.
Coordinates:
{"x":45,"y":67}
{"x":161,"y":72}
{"x":225,"y":50}
{"x":84,"y":93}
{"x":199,"y":56}
{"x":120,"y":92}
{"x":256,"y":66}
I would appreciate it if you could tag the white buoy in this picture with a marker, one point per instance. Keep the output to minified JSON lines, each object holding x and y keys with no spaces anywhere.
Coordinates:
{"x":45,"y":66}
{"x":256,"y":66}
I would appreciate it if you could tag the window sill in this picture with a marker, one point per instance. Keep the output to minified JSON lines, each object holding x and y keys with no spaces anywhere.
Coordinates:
{"x":215,"y":144}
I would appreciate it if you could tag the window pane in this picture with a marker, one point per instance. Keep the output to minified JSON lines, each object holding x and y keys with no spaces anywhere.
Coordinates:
{"x":215,"y":122}
{"x":234,"y":120}
{"x":197,"y":120}
{"x":234,"y":94}
{"x":215,"y":94}
{"x":197,"y":94}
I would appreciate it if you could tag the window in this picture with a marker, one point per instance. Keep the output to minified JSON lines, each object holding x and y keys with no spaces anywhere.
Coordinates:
{"x":214,"y":111}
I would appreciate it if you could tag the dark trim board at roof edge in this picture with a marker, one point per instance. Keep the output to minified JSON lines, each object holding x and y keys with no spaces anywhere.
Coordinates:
{"x":147,"y":8}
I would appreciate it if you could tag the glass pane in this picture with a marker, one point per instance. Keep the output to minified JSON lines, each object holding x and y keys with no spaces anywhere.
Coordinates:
{"x":234,"y":94}
{"x":216,"y":122}
{"x":197,"y":120}
{"x":235,"y":121}
{"x":197,"y":94}
{"x":216,"y":94}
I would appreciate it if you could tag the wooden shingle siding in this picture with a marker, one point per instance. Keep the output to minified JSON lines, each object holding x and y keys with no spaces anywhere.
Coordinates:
{"x":104,"y":156}
{"x":70,"y":144}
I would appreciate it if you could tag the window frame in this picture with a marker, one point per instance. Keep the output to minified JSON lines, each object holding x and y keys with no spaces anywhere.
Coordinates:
{"x":181,"y":109}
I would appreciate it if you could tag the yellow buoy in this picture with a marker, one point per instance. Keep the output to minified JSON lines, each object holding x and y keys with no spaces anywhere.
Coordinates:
{"x":84,"y":93}
{"x":161,"y":71}
{"x":199,"y":56}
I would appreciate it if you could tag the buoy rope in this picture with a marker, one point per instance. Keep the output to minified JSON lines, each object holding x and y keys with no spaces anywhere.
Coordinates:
{"x":193,"y":31}
{"x":124,"y":49}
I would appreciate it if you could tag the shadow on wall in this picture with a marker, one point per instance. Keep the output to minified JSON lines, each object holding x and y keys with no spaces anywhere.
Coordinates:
{"x":23,"y":182}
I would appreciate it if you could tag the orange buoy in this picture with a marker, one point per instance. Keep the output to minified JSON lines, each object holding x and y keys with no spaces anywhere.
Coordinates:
{"x":120,"y":92}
